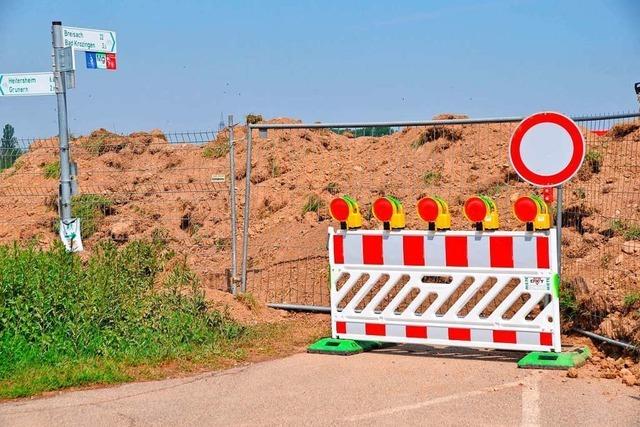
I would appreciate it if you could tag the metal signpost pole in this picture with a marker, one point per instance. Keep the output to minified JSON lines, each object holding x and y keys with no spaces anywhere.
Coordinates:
{"x":63,"y":126}
{"x":232,"y":205}
{"x":560,"y":189}
{"x":245,"y":224}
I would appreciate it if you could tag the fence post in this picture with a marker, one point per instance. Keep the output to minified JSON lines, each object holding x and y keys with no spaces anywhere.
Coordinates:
{"x":232,"y":205}
{"x":245,"y":224}
{"x":63,"y":126}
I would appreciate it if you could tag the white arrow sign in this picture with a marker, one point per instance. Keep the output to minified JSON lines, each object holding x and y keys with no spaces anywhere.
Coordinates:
{"x":86,"y":39}
{"x":27,"y":84}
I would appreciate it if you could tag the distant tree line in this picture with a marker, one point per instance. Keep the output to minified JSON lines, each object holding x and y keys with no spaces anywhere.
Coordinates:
{"x":357,"y":132}
{"x":9,"y":148}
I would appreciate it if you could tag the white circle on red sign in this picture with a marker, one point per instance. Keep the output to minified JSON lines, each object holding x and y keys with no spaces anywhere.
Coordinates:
{"x":547,"y":149}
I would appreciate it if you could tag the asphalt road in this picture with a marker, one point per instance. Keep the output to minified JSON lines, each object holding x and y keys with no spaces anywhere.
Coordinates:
{"x":396,"y":386}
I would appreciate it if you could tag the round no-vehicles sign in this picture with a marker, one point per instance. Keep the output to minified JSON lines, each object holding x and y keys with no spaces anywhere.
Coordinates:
{"x":547,"y":149}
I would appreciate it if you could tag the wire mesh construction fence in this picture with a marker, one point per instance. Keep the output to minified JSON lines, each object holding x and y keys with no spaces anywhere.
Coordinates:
{"x":171,"y":187}
{"x":297,"y":171}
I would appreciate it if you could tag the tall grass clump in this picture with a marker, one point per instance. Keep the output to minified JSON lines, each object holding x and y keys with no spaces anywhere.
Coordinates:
{"x":67,"y":322}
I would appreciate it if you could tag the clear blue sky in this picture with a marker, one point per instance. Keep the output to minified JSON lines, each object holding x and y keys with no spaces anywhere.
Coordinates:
{"x":181,"y":63}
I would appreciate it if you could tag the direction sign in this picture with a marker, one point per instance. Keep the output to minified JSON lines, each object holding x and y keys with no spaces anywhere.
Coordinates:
{"x":547,"y":149}
{"x":27,"y":84}
{"x":86,"y":39}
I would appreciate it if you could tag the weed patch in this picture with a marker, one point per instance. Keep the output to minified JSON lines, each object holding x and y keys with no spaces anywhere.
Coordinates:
{"x":431,"y":177}
{"x":65,"y":322}
{"x":332,"y":188}
{"x":91,"y":208}
{"x":631,"y":299}
{"x":628,"y":231}
{"x":51,"y":170}
{"x":313,"y":204}
{"x":216,"y":150}
{"x":593,"y":158}
{"x":448,"y":133}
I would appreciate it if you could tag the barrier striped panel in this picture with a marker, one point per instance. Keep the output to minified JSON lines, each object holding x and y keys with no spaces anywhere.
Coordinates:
{"x":456,"y":288}
{"x":514,"y":250}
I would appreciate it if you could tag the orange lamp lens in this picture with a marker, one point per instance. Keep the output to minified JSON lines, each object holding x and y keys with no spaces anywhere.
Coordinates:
{"x":428,"y":209}
{"x":339,"y":209}
{"x":383,"y":209}
{"x":525,"y":209}
{"x":475,"y":209}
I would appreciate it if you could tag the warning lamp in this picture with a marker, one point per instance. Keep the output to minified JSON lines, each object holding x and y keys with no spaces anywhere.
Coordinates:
{"x":435,"y":211}
{"x":533,"y":211}
{"x":389,"y":210}
{"x":547,"y":194}
{"x":482,"y":211}
{"x":346,"y":211}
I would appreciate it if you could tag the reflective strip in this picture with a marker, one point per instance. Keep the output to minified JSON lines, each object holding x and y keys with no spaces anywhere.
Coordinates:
{"x":352,"y":249}
{"x":378,"y":329}
{"x":355,"y":328}
{"x":524,"y":252}
{"x":532,"y":338}
{"x":482,"y":335}
{"x":434,"y":251}
{"x":438,"y":333}
{"x":501,"y":251}
{"x":392,"y":250}
{"x":542,"y":247}
{"x":456,"y":251}
{"x":396,"y":331}
{"x":478,"y":251}
{"x":413,"y":250}
{"x":416,"y":331}
{"x":372,"y":250}
{"x":338,"y":249}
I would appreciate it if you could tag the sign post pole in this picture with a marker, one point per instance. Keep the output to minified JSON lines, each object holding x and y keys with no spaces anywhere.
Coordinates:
{"x":560,"y":190}
{"x":63,"y":126}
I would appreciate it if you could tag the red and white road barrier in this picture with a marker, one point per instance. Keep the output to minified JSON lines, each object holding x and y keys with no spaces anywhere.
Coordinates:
{"x":522,"y":266}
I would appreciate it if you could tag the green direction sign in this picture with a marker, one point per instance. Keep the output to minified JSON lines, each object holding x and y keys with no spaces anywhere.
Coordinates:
{"x":27,"y":84}
{"x":87,"y":39}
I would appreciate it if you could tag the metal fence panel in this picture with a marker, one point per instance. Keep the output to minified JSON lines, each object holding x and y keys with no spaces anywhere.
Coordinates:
{"x":298,"y":169}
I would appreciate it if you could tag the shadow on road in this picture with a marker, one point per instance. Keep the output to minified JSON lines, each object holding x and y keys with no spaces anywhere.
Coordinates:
{"x":452,"y":353}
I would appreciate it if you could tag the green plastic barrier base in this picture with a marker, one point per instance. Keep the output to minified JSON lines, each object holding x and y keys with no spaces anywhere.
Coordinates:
{"x":342,"y":347}
{"x":549,"y":360}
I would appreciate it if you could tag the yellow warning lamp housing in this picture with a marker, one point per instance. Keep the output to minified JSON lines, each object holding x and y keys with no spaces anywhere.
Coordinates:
{"x":482,"y":211}
{"x":389,"y":210}
{"x":435,"y":211}
{"x":346,"y":211}
{"x":533,"y":211}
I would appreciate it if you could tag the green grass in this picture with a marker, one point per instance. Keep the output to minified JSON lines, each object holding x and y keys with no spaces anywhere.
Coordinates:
{"x":332,"y":188}
{"x":594,"y":159}
{"x":51,"y":170}
{"x":274,"y":168}
{"x":216,"y":150}
{"x":568,"y":304}
{"x":628,"y":231}
{"x":312,"y":204}
{"x":91,"y":208}
{"x":631,"y":299}
{"x":66,"y":322}
{"x":248,"y":300}
{"x":431,"y":177}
